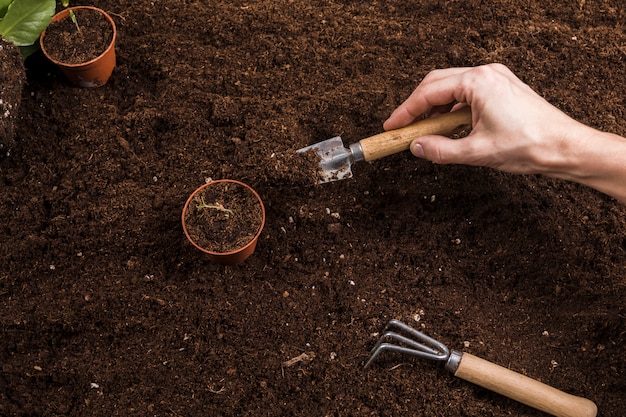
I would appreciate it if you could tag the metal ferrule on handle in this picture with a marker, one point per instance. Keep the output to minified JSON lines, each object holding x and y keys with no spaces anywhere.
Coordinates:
{"x":453,"y":362}
{"x":356,"y":150}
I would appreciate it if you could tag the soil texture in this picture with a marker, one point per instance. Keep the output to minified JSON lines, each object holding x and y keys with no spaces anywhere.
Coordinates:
{"x":107,"y":310}
{"x":12,"y":78}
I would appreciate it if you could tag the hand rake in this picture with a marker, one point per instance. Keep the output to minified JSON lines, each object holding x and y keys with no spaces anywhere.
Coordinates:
{"x":481,"y":372}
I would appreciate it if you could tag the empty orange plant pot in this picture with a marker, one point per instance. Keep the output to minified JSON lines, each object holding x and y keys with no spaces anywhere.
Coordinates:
{"x":93,"y":73}
{"x":221,"y":205}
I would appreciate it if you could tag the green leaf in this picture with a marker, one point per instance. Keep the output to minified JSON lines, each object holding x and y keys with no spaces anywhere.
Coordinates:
{"x":4,"y":4}
{"x":25,"y":20}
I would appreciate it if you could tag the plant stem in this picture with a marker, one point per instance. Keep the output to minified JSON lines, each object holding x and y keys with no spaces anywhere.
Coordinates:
{"x":216,"y":206}
{"x":73,"y":17}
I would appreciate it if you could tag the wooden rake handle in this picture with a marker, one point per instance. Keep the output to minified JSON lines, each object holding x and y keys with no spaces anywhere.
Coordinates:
{"x":522,"y":388}
{"x":398,"y":140}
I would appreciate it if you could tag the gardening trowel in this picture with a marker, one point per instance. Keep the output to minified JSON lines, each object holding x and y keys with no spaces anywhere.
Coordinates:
{"x":336,"y":160}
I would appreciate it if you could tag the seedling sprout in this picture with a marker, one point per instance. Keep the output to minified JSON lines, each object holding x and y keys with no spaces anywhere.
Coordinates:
{"x":215,"y":206}
{"x":66,"y":3}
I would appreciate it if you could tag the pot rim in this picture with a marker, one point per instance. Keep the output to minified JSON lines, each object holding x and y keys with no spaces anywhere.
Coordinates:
{"x":240,"y":249}
{"x":63,"y":14}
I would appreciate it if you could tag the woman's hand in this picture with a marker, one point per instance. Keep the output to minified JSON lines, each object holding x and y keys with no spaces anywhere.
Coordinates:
{"x":514,"y":130}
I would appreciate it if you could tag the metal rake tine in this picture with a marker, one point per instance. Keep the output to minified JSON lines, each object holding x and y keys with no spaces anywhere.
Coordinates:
{"x":388,"y":346}
{"x":418,"y":335}
{"x":436,"y":351}
{"x":404,"y":339}
{"x":403,"y":326}
{"x":402,"y":349}
{"x":397,"y":323}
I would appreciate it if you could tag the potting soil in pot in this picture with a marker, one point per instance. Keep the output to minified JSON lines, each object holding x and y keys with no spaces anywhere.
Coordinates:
{"x":68,"y":44}
{"x":223,"y":217}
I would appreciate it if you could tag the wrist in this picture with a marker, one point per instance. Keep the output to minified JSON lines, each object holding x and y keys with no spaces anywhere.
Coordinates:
{"x":593,"y":158}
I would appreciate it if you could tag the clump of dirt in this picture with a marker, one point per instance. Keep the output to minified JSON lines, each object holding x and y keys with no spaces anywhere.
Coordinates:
{"x":12,"y":78}
{"x":291,"y":168}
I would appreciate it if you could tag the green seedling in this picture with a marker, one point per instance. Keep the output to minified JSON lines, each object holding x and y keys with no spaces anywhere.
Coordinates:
{"x":73,"y":17}
{"x":215,"y":206}
{"x":66,"y":3}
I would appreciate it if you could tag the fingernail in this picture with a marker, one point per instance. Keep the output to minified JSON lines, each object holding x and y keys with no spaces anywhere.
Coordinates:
{"x":417,"y":150}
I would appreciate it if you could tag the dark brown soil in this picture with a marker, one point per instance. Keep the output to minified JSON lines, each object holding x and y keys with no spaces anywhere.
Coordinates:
{"x":107,"y":309}
{"x":12,"y":78}
{"x":278,"y":169}
{"x":83,"y":41}
{"x":223,"y":217}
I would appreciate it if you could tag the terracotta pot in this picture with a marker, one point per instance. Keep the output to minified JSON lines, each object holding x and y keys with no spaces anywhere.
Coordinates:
{"x":230,"y":257}
{"x":90,"y":74}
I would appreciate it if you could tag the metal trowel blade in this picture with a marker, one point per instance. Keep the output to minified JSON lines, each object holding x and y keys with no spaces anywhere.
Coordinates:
{"x":335,"y":159}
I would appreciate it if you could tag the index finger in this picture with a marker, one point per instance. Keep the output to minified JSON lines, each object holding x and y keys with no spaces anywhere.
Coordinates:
{"x":438,"y":88}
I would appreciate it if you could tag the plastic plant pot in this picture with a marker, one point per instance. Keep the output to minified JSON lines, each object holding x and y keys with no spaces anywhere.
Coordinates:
{"x":90,"y":74}
{"x":224,"y":219}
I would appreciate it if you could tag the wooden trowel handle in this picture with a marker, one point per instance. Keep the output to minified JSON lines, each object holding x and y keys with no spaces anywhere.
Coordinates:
{"x":394,"y":141}
{"x":522,"y":388}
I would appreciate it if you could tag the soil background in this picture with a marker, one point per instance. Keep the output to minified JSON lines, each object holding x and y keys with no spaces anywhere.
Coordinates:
{"x":107,"y":310}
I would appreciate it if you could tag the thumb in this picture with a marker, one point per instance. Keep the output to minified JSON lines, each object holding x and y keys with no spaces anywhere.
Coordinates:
{"x":441,"y":150}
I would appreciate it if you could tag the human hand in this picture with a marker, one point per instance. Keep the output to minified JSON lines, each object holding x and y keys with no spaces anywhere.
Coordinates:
{"x":514,"y":129}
